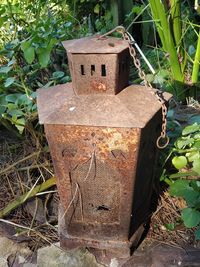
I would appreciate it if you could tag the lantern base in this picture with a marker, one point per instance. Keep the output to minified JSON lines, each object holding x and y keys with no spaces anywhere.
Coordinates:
{"x":103,"y":250}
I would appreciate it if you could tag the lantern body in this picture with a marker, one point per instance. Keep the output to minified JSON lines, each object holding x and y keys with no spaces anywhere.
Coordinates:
{"x":102,"y":143}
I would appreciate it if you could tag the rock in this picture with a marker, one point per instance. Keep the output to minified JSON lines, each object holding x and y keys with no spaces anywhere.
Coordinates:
{"x":54,"y":256}
{"x":8,"y":248}
{"x":3,"y":262}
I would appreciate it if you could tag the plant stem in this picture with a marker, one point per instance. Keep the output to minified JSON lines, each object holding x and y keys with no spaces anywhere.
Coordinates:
{"x":22,"y":199}
{"x":161,"y":18}
{"x":177,"y":29}
{"x":195,"y":70}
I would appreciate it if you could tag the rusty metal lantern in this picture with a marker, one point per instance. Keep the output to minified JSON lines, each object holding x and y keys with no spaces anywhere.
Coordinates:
{"x":102,"y":134}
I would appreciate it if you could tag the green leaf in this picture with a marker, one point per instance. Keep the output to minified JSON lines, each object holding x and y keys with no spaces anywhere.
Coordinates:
{"x":5,"y":69}
{"x":20,"y":123}
{"x":16,"y":112}
{"x":11,"y":106}
{"x":197,"y":234}
{"x":192,"y":156}
{"x":194,"y":118}
{"x":192,"y":197}
{"x":196,"y":166}
{"x":191,"y":217}
{"x":179,"y":162}
{"x":170,"y":226}
{"x":97,"y":9}
{"x":9,"y":81}
{"x":25,"y":45}
{"x":11,"y":62}
{"x":191,"y":129}
{"x":179,"y":187}
{"x":197,"y":144}
{"x":44,"y":56}
{"x":29,"y":54}
{"x":182,"y":143}
{"x":12,"y":97}
{"x":58,"y":74}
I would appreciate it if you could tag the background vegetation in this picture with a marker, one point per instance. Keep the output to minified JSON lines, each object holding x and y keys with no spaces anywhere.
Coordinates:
{"x":32,"y":56}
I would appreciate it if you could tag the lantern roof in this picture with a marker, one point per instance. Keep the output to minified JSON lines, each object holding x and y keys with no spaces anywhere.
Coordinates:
{"x":132,"y":107}
{"x":95,"y":45}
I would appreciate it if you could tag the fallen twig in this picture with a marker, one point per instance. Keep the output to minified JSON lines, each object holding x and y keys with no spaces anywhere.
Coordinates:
{"x":7,"y":169}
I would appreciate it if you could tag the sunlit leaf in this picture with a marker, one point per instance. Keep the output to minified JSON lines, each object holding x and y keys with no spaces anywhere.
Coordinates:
{"x":191,"y":129}
{"x":5,"y":69}
{"x":196,"y":166}
{"x":29,"y":54}
{"x":179,"y":162}
{"x":9,"y":81}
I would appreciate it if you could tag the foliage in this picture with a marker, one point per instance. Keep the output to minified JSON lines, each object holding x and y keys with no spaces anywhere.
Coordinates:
{"x":31,"y":55}
{"x":184,"y":179}
{"x":175,"y":30}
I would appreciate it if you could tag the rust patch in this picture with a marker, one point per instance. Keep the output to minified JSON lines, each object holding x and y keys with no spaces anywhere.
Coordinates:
{"x":98,"y":86}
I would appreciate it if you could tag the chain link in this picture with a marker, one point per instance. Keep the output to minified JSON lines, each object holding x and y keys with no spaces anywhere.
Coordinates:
{"x":163,"y":139}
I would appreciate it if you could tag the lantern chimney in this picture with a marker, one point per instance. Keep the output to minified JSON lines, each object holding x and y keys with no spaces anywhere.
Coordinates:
{"x":98,"y":65}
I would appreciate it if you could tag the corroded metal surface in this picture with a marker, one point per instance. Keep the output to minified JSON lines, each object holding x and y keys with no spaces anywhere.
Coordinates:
{"x":93,"y":45}
{"x":102,"y":142}
{"x":98,"y":66}
{"x":99,"y":74}
{"x":132,"y":107}
{"x":95,"y":168}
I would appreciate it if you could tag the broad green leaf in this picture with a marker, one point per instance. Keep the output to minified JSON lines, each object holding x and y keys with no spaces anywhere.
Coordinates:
{"x":25,"y":45}
{"x":5,"y":69}
{"x":195,"y":185}
{"x":97,"y":8}
{"x":197,"y":135}
{"x":11,"y":106}
{"x":193,"y":156}
{"x":9,"y":81}
{"x":196,"y":166}
{"x":29,"y":54}
{"x":58,"y":74}
{"x":197,"y":234}
{"x":65,"y":79}
{"x":23,"y":100}
{"x":3,"y":101}
{"x":182,"y":143}
{"x":179,"y":187}
{"x":2,"y":110}
{"x":197,"y":144}
{"x":12,"y":97}
{"x":191,"y":197}
{"x":16,"y":112}
{"x":191,"y":129}
{"x":191,"y":217}
{"x":44,"y":57}
{"x":179,"y":162}
{"x":182,"y":188}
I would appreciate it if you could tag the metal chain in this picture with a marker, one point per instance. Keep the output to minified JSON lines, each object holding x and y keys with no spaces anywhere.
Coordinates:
{"x":163,"y":139}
